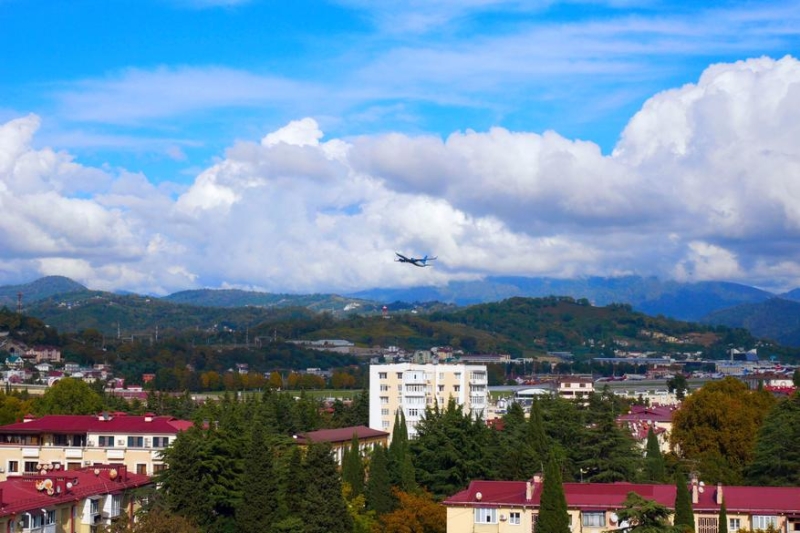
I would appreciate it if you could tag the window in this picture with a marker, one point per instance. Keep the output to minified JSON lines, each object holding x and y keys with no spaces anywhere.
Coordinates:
{"x":135,"y":442}
{"x":384,"y":412}
{"x":13,"y":466}
{"x":94,"y":506}
{"x":458,"y":375}
{"x":73,"y":466}
{"x":385,"y":424}
{"x":105,"y":441}
{"x":384,"y":388}
{"x":413,"y":413}
{"x":141,"y":468}
{"x":707,"y":525}
{"x":515,"y":518}
{"x":456,"y":388}
{"x":30,"y":466}
{"x":160,"y":442}
{"x":381,"y":375}
{"x":400,"y":375}
{"x":384,"y":400}
{"x":440,"y":388}
{"x":594,"y":519}
{"x":734,"y":524}
{"x":116,"y":504}
{"x":158,"y":468}
{"x":50,"y":517}
{"x":764,"y":522}
{"x":485,"y":516}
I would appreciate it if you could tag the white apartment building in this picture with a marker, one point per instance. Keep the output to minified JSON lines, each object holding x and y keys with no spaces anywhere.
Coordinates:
{"x":415,"y":387}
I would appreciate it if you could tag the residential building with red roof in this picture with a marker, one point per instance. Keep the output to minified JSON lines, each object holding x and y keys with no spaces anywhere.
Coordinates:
{"x":513,"y":506}
{"x":641,"y":418}
{"x":341,"y":438}
{"x":71,"y":442}
{"x":74,"y":501}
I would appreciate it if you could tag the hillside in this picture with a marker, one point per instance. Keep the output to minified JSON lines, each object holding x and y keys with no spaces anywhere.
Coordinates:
{"x":229,"y":298}
{"x":777,"y":319}
{"x":37,"y":290}
{"x":683,"y":301}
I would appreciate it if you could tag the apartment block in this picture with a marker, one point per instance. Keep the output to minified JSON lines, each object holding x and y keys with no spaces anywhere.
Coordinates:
{"x":72,"y":442}
{"x":413,"y":388}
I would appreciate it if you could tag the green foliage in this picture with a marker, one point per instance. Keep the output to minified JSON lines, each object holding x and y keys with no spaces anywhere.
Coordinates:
{"x":324,"y":507}
{"x":610,"y":452}
{"x":353,"y":468}
{"x":679,"y":385}
{"x":401,"y":467}
{"x":655,"y":469}
{"x":723,"y":518}
{"x":645,"y":516}
{"x":69,"y":396}
{"x":776,"y":460}
{"x":518,"y":456}
{"x":553,"y":515}
{"x":259,"y":504}
{"x":379,"y":488}
{"x":684,"y":514}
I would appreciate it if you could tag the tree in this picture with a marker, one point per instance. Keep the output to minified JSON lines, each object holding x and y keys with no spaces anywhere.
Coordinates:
{"x":69,"y":396}
{"x":776,"y":459}
{"x":353,"y":468}
{"x":517,"y":457}
{"x":723,"y":518}
{"x":717,"y":427}
{"x":415,"y":512}
{"x":259,"y":490}
{"x":644,"y":516}
{"x":684,"y":515}
{"x":609,"y":452}
{"x":324,"y":507}
{"x":679,"y":385}
{"x":401,"y":468}
{"x":379,"y":489}
{"x":553,"y":515}
{"x":654,"y":461}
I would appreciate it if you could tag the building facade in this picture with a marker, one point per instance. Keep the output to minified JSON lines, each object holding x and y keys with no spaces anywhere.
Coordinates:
{"x":413,"y":388}
{"x":72,"y":442}
{"x":513,"y":506}
{"x":341,"y":438}
{"x":76,"y":501}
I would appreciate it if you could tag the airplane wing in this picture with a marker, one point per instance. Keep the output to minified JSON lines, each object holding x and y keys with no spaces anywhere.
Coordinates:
{"x":401,"y":256}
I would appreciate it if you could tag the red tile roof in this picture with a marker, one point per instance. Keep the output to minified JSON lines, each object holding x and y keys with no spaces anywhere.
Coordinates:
{"x":20,"y":493}
{"x":588,"y":496}
{"x":118,"y":423}
{"x":340,"y":434}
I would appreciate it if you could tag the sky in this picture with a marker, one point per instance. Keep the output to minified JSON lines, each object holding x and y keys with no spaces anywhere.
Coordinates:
{"x":155,"y":146}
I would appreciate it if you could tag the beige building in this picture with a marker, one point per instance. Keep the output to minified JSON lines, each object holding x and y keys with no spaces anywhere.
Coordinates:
{"x":513,"y":506}
{"x":72,"y":442}
{"x":415,"y":387}
{"x":79,"y":501}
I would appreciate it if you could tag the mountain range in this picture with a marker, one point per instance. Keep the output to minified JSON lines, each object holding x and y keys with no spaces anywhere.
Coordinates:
{"x":764,"y":314}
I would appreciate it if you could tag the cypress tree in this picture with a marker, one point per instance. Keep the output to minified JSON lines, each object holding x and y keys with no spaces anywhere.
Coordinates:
{"x":353,"y":468}
{"x":537,"y":433}
{"x":553,"y":515}
{"x":723,"y":518}
{"x":378,"y":490}
{"x":654,"y":461}
{"x":401,"y":468}
{"x":684,"y":515}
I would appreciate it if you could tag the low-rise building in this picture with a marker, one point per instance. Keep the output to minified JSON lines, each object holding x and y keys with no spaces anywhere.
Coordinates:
{"x":72,"y":442}
{"x":513,"y":506}
{"x":341,"y":438}
{"x":78,"y":501}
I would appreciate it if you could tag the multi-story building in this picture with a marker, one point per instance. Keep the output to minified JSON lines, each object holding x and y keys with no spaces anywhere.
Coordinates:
{"x":413,"y":387}
{"x":75,"y":501}
{"x":71,"y":442}
{"x":513,"y":506}
{"x":575,"y":387}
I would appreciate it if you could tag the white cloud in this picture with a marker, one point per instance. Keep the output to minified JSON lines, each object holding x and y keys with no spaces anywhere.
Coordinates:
{"x":703,"y":184}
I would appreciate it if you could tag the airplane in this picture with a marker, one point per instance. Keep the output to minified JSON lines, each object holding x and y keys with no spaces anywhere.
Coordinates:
{"x":423,"y":262}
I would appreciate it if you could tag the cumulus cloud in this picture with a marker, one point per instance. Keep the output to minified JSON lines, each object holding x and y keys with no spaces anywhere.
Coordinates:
{"x":704,"y":183}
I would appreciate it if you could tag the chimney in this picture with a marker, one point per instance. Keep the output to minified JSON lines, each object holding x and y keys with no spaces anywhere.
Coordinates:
{"x":719,"y":494}
{"x":695,"y":490}
{"x":528,"y":491}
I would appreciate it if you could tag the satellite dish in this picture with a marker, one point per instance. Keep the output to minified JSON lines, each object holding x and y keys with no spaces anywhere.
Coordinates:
{"x":478,"y":496}
{"x":624,"y":524}
{"x":702,"y":487}
{"x":613,"y":517}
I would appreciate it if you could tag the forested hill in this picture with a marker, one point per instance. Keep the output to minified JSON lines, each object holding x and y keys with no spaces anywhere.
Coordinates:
{"x":37,"y":290}
{"x":777,"y":319}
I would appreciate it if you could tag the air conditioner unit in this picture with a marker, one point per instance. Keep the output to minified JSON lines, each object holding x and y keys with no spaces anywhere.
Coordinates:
{"x":120,"y":442}
{"x":503,"y":517}
{"x":2,"y":470}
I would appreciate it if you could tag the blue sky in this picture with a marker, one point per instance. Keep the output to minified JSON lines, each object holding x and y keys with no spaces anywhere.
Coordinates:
{"x":428,"y":107}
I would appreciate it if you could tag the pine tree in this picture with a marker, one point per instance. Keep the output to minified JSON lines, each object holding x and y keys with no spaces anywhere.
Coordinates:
{"x":379,"y":489}
{"x":353,"y":468}
{"x":654,"y":461}
{"x":537,"y":433}
{"x":776,"y":460}
{"x":723,"y":518}
{"x":553,"y":515}
{"x":684,"y":515}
